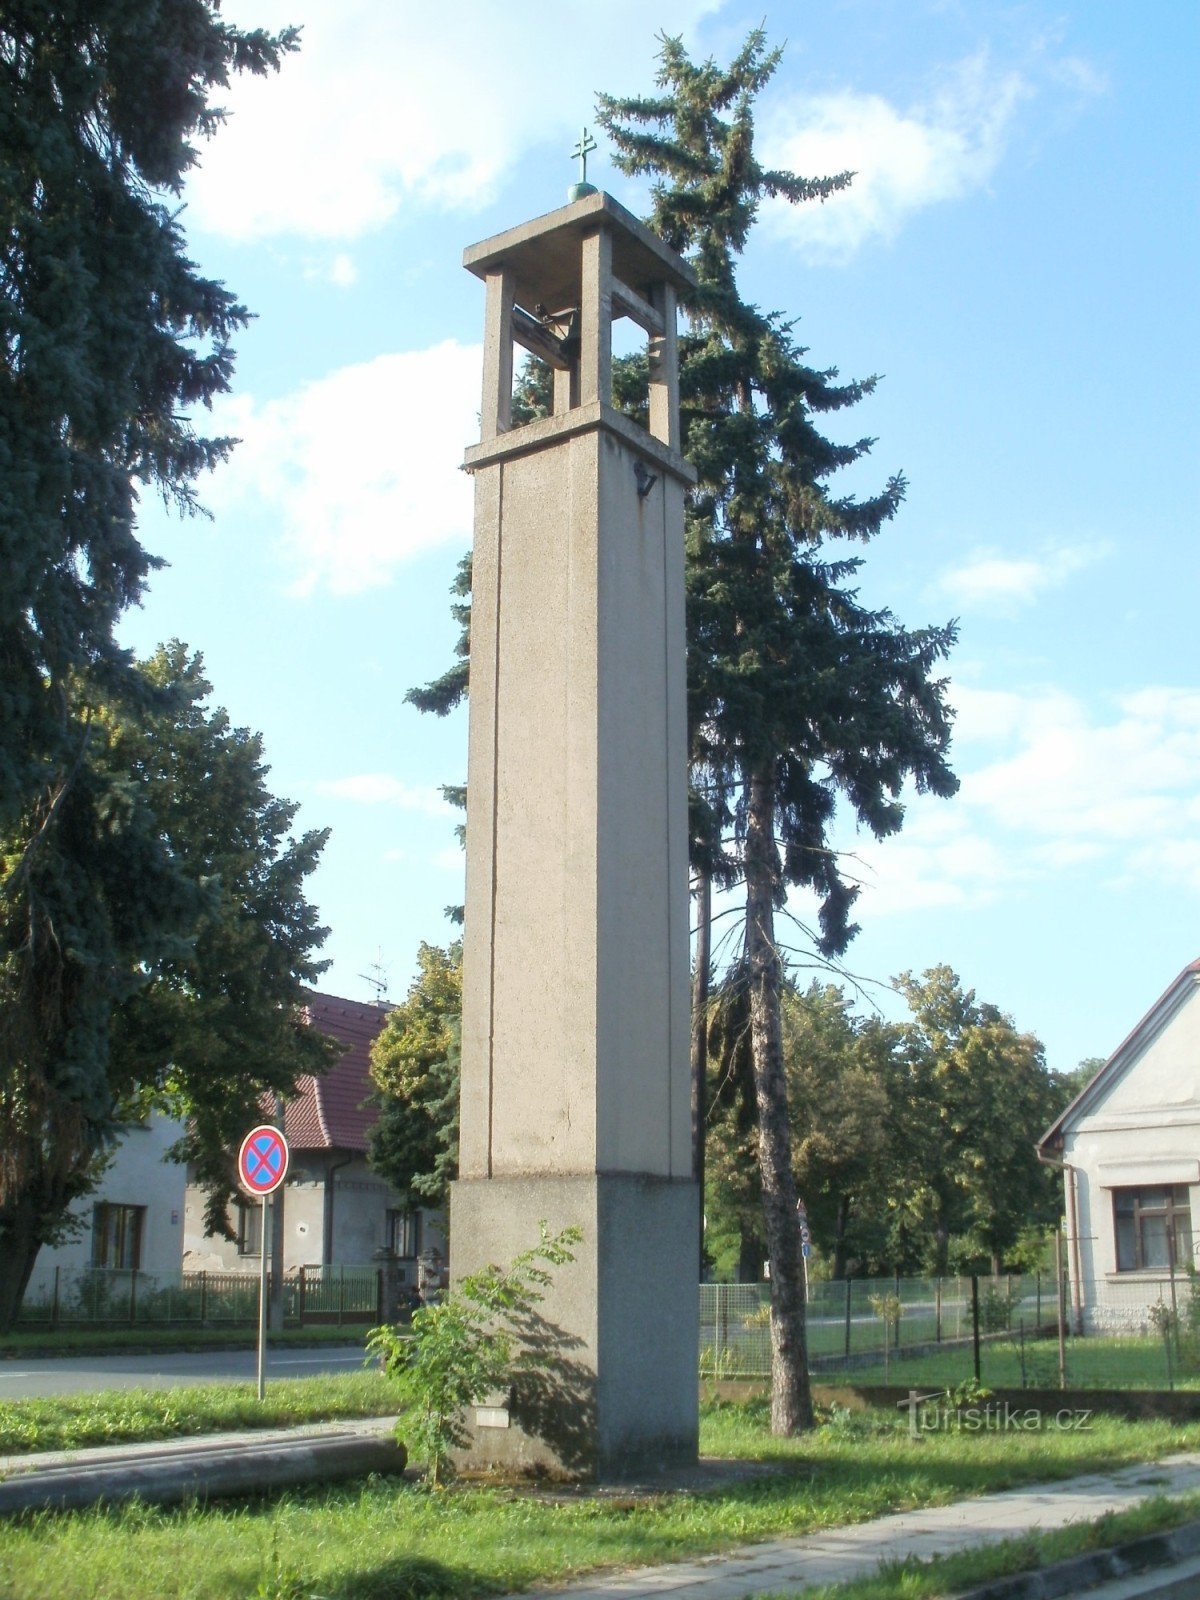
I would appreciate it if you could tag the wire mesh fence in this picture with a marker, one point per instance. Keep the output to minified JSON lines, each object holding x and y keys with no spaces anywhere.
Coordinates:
{"x":1003,"y":1331}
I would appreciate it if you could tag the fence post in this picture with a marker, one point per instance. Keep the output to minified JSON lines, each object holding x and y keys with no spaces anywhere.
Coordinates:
{"x":341,"y":1292}
{"x":937,"y":1311}
{"x":133,"y":1297}
{"x":204,"y":1297}
{"x":303,"y":1287}
{"x":1062,"y":1310}
{"x":849,"y":1291}
{"x":975,"y":1323}
{"x":1024,"y":1382}
{"x":54,"y":1302}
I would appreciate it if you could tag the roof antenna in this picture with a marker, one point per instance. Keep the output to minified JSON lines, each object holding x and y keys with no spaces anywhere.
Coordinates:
{"x":377,"y":976}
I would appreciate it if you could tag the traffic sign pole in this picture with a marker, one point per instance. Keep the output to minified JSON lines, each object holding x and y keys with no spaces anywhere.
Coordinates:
{"x":262,"y":1167}
{"x":262,"y":1300}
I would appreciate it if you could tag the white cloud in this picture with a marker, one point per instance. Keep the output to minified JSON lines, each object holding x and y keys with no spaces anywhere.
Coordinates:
{"x":1050,"y":787}
{"x":990,"y":581}
{"x":903,"y":161}
{"x":359,"y":469}
{"x":379,"y":788}
{"x":386,"y":103}
{"x":340,"y":271}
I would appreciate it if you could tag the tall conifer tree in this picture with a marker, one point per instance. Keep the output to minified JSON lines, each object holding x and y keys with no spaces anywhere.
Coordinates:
{"x":110,"y":341}
{"x":798,"y":695}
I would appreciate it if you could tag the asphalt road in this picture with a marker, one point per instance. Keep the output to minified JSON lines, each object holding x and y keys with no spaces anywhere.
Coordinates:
{"x":23,"y":1380}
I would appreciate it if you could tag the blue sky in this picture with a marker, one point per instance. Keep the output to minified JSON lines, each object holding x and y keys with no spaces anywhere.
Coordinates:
{"x":1016,"y":259}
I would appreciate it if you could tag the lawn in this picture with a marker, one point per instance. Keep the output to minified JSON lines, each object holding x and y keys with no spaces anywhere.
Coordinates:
{"x":123,"y":1416}
{"x":387,"y":1539}
{"x":1129,"y":1362}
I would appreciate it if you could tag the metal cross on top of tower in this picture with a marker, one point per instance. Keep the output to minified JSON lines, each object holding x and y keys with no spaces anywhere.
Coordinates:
{"x":580,"y":152}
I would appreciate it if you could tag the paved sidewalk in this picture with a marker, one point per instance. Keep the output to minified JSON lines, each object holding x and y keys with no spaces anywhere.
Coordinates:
{"x":789,"y":1566}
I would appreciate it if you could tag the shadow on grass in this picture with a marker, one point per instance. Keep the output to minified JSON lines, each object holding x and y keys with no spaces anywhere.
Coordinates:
{"x":406,"y":1578}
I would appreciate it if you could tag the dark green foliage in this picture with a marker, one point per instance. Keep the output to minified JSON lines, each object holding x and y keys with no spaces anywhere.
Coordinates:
{"x":109,"y":338}
{"x":977,"y":1094}
{"x":219,"y":1024}
{"x":415,"y":1065}
{"x":109,"y":341}
{"x":788,"y":675}
{"x":153,"y":949}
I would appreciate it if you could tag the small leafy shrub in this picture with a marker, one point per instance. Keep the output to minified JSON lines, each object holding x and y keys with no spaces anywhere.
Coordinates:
{"x":888,"y":1308}
{"x":1163,"y":1320}
{"x":457,"y":1352}
{"x":970,"y":1392}
{"x":997,"y":1306}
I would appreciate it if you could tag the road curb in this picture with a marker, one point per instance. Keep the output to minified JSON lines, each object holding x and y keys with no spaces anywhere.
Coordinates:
{"x":243,"y":1463}
{"x":1080,"y":1573}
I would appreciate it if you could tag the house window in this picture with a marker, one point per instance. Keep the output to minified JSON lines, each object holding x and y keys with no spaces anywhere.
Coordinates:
{"x":117,"y":1235}
{"x":1150,"y":1223}
{"x":404,"y":1233}
{"x":249,"y":1228}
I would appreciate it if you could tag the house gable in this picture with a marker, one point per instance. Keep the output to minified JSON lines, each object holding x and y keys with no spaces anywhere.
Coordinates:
{"x":1153,"y":1077}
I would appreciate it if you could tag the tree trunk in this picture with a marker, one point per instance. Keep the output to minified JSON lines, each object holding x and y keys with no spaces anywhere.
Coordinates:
{"x":791,"y":1397}
{"x":750,"y":1254}
{"x":839,"y":1236}
{"x":20,"y":1241}
{"x":699,"y":1042}
{"x":941,"y":1246}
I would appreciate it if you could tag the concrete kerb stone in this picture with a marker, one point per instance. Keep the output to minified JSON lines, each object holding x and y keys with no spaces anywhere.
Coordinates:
{"x":204,"y":1467}
{"x":1080,"y":1573}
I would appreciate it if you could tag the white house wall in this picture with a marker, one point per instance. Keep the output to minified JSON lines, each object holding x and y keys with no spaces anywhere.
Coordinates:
{"x":361,"y":1202}
{"x":138,"y":1175}
{"x":1141,"y":1131}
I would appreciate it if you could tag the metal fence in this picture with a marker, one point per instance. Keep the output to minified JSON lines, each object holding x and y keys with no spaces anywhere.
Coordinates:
{"x":1004,"y":1332}
{"x":119,"y":1297}
{"x":937,"y":1332}
{"x":852,"y":1323}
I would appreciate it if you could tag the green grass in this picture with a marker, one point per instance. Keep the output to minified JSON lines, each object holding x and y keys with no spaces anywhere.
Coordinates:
{"x":1094,"y":1363}
{"x":30,"y":1344}
{"x":123,"y":1416}
{"x":948,"y":1575}
{"x":387,"y":1539}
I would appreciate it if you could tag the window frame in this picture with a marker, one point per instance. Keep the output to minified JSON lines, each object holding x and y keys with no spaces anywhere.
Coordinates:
{"x":124,"y":1241}
{"x":404,"y":1227}
{"x":249,"y":1228}
{"x":1130,"y":1206}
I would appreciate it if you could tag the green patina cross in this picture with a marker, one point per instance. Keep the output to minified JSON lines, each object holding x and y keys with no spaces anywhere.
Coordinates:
{"x":582,"y":150}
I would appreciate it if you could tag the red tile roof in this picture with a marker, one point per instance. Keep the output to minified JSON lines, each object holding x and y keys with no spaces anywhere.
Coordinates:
{"x":332,"y":1112}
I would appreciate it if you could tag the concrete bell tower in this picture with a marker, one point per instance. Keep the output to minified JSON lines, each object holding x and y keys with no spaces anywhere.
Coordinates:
{"x":575,"y":1087}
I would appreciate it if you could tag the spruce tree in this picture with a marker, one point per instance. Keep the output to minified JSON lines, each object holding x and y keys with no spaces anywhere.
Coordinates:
{"x":798,"y":694}
{"x":110,"y":341}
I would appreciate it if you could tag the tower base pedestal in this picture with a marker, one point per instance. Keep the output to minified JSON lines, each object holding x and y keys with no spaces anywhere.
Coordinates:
{"x":615,"y":1393}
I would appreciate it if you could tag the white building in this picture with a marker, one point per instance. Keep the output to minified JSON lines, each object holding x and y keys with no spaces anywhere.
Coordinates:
{"x":336,"y":1208}
{"x":132,"y":1219}
{"x":1130,"y":1148}
{"x":145,"y":1217}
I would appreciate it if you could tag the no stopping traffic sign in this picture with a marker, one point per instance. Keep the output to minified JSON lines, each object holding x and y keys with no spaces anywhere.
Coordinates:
{"x":262,"y":1160}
